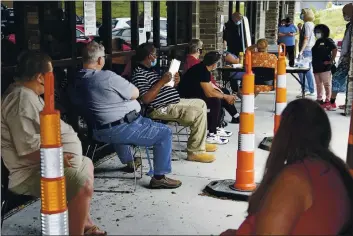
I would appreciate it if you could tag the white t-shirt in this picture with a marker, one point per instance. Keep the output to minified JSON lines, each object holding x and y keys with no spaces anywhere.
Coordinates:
{"x":309,"y":33}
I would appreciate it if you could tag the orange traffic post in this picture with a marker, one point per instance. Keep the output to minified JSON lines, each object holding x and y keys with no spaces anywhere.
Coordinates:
{"x":54,"y":214}
{"x":245,"y":176}
{"x":281,"y":86}
{"x":244,"y":184}
{"x":350,"y":145}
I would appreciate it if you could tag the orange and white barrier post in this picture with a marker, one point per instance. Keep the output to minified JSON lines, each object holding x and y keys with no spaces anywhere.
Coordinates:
{"x":54,"y":214}
{"x":350,"y":145}
{"x":245,"y":175}
{"x":281,"y":86}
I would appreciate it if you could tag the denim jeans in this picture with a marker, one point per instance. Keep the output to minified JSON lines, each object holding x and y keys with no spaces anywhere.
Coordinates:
{"x":141,"y":132}
{"x":309,"y":76}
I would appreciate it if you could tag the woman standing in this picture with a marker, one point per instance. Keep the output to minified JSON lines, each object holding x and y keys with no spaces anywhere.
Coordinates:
{"x":306,"y":189}
{"x":324,"y":54}
{"x":339,"y":79}
{"x":306,"y":42}
{"x":286,"y":34}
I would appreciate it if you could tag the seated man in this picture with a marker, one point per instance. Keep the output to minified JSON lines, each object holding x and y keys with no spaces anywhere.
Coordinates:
{"x":20,"y":143}
{"x":193,"y":58}
{"x":111,"y":108}
{"x":164,"y":103}
{"x":196,"y":83}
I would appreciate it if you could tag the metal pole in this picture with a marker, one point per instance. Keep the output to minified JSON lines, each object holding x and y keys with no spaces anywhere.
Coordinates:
{"x":134,"y":24}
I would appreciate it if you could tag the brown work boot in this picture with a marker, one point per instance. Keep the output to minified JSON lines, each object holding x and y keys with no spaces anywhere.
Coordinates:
{"x":130,"y":165}
{"x":165,"y":182}
{"x":201,"y":157}
{"x":211,"y":147}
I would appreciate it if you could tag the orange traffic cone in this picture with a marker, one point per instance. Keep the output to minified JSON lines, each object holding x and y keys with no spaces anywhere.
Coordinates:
{"x":245,"y":176}
{"x":281,"y":86}
{"x":54,"y":215}
{"x":350,"y":145}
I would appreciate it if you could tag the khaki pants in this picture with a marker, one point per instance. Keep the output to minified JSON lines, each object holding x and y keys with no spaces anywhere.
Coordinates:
{"x":75,"y":178}
{"x":188,"y":112}
{"x":323,"y":81}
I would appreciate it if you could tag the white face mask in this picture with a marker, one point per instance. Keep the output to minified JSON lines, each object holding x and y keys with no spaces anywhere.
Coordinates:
{"x":318,"y":35}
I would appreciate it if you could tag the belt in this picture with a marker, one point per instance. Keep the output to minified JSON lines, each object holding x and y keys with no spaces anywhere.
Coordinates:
{"x":109,"y":125}
{"x":128,"y":118}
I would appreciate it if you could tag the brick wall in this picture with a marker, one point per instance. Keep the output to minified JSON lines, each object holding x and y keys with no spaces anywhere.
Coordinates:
{"x":209,"y":23}
{"x":271,"y":23}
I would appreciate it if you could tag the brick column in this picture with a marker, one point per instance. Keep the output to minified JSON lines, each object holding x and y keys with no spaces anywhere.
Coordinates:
{"x":210,"y":20}
{"x":291,"y":10}
{"x":272,"y":22}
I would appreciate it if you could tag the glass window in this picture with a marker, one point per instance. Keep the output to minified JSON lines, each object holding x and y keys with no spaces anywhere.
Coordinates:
{"x":79,"y":33}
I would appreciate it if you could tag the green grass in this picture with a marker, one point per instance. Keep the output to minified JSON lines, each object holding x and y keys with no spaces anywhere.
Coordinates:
{"x":332,"y":18}
{"x":119,"y":9}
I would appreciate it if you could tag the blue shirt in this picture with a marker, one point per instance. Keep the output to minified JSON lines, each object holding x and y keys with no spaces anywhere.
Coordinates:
{"x":103,"y":96}
{"x":287,"y":40}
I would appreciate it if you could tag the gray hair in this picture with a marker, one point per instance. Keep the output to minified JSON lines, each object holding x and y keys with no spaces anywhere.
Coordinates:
{"x":194,"y":45}
{"x":92,"y":52}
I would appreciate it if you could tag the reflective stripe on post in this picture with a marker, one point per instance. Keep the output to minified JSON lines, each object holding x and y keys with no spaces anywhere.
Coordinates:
{"x":281,"y":86}
{"x":245,"y":176}
{"x":54,"y":214}
{"x":350,"y":145}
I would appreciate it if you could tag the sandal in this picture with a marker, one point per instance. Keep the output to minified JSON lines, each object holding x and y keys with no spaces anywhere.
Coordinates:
{"x":94,"y":231}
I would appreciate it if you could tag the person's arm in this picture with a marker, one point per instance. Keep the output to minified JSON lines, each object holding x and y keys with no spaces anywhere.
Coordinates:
{"x":284,"y":203}
{"x":149,"y":94}
{"x":231,"y":59}
{"x":210,"y":92}
{"x":123,"y":87}
{"x":308,"y":33}
{"x":334,"y":54}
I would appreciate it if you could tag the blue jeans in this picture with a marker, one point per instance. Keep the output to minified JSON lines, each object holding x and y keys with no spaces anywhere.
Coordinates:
{"x":309,"y":76}
{"x":141,"y":132}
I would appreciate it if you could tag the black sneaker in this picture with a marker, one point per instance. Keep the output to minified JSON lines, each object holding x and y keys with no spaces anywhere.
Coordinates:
{"x":235,"y":120}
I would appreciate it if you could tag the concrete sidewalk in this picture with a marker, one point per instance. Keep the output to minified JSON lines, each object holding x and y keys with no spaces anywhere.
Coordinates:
{"x":182,"y":211}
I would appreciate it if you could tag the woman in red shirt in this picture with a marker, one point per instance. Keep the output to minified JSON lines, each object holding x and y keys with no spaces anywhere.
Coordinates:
{"x":195,"y":51}
{"x":306,"y":189}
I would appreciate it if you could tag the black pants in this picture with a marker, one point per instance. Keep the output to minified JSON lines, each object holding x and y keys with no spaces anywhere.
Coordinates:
{"x":231,"y":109}
{"x":214,"y":105}
{"x":291,"y":55}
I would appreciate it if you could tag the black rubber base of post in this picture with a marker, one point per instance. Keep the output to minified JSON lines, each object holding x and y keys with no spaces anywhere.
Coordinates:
{"x":266,"y":143}
{"x":225,"y":189}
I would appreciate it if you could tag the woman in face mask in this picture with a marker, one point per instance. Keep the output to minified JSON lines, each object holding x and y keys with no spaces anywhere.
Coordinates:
{"x":340,"y":77}
{"x":324,"y":54}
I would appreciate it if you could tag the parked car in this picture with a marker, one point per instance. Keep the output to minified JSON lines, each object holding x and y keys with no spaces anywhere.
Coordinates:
{"x":125,"y":34}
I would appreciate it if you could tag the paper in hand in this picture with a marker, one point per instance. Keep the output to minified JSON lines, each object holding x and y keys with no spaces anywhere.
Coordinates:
{"x":173,"y":69}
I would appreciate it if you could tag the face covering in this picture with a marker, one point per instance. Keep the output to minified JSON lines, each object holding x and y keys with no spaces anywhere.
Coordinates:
{"x":301,"y":16}
{"x":238,"y":23}
{"x":154,"y":63}
{"x":318,"y":35}
{"x":347,"y":18}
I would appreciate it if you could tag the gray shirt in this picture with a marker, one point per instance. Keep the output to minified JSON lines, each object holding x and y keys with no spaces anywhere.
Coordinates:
{"x":103,"y":96}
{"x":307,"y":32}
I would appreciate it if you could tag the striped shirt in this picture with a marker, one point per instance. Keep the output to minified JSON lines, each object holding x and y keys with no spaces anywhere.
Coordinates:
{"x":145,"y":78}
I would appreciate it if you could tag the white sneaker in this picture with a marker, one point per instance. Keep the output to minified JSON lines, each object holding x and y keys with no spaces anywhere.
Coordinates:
{"x":215,"y":139}
{"x":223,"y":133}
{"x":301,"y":95}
